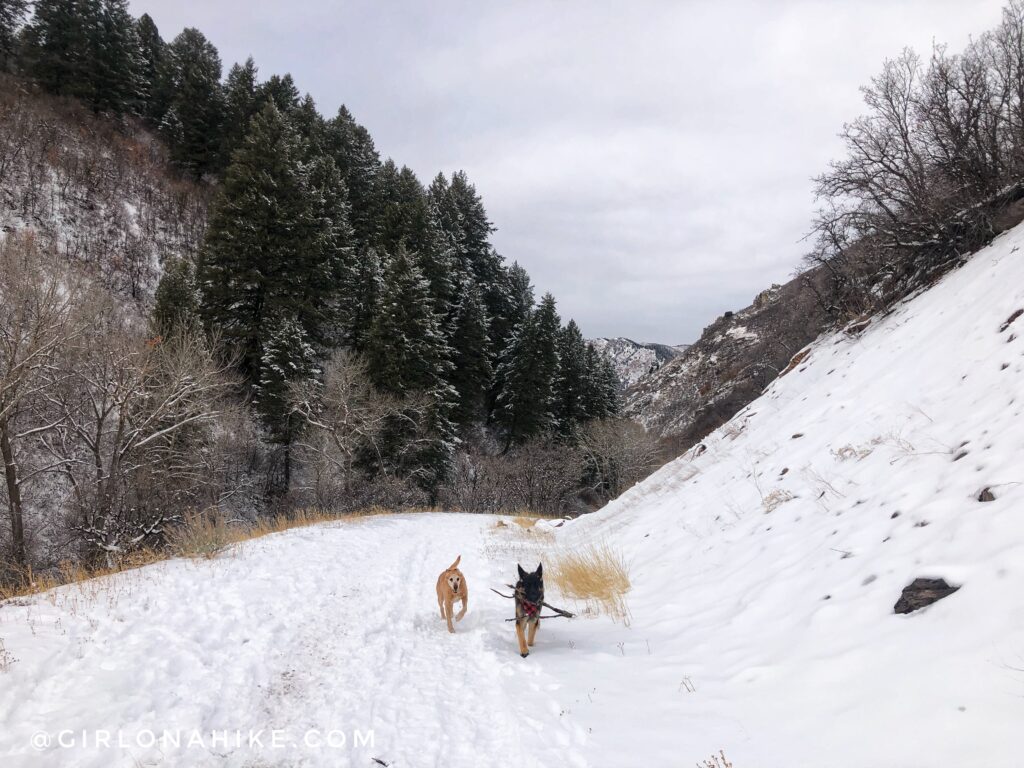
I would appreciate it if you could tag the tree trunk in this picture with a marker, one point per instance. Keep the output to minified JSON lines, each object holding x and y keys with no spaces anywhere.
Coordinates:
{"x":13,"y":496}
{"x":287,"y":466}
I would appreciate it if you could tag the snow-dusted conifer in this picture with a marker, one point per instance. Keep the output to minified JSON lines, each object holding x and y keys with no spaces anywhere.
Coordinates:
{"x":472,"y":374}
{"x":570,"y":410}
{"x":194,"y":132}
{"x":527,"y":376}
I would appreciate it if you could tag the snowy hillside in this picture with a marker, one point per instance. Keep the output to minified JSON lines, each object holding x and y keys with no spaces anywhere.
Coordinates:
{"x":765,"y":565}
{"x":633,"y":360}
{"x":101,"y":193}
{"x":766,"y":562}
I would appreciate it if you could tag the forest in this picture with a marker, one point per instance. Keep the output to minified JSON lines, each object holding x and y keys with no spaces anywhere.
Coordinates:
{"x":218,"y":301}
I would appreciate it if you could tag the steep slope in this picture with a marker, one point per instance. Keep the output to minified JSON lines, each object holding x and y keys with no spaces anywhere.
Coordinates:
{"x":767,"y":560}
{"x":633,"y":360}
{"x":730,"y":364}
{"x":101,"y":192}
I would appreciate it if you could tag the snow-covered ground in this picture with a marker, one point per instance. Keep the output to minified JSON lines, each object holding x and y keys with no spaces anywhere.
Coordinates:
{"x":765,"y":567}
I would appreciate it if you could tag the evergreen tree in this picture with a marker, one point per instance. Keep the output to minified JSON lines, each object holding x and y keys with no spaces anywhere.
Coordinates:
{"x":241,"y":102}
{"x":513,"y":299}
{"x":59,"y":46}
{"x":350,"y":146}
{"x":570,"y":396}
{"x":600,"y":386}
{"x":474,"y":231}
{"x":272,"y":248}
{"x":472,"y":375}
{"x":193,"y":121}
{"x":527,"y":375}
{"x":282,"y":91}
{"x":406,"y":351}
{"x":310,"y":125}
{"x":154,"y":96}
{"x":287,"y":357}
{"x":448,"y":215}
{"x":609,"y":384}
{"x":332,"y":251}
{"x":86,"y":49}
{"x":409,"y":218}
{"x":12,"y":15}
{"x":116,"y":60}
{"x":176,"y":302}
{"x":407,"y":355}
{"x":364,"y":296}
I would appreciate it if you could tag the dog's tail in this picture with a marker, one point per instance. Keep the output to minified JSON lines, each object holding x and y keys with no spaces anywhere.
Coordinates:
{"x":456,"y":563}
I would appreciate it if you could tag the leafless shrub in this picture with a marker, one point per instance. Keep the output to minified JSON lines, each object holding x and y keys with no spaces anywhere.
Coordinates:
{"x":542,"y":476}
{"x":132,"y":418}
{"x":716,"y":761}
{"x":928,"y":170}
{"x":6,"y":659}
{"x":775,"y":499}
{"x":618,"y":454}
{"x":348,"y":423}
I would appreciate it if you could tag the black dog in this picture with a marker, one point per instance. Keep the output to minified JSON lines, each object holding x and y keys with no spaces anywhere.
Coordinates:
{"x":529,"y":598}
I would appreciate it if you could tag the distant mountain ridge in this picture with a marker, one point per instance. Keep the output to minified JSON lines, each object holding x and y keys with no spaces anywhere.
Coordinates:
{"x":632,"y":360}
{"x":731,"y":363}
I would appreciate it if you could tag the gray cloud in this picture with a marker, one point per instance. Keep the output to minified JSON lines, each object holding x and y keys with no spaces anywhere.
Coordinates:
{"x":648,"y":162}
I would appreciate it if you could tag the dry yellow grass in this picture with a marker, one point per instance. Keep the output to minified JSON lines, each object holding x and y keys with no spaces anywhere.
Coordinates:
{"x":597,"y":575}
{"x":202,"y":535}
{"x":207,"y":534}
{"x":68,"y":572}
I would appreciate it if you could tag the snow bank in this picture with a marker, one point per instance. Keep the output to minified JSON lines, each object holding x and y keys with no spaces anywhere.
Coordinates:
{"x":767,"y":562}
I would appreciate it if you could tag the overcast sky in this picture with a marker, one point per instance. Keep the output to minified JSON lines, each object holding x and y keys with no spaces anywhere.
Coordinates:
{"x":649,"y":163}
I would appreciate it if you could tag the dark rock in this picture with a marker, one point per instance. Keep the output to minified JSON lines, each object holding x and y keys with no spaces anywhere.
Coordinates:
{"x":986,"y":495}
{"x":1010,"y":319}
{"x":922,"y":592}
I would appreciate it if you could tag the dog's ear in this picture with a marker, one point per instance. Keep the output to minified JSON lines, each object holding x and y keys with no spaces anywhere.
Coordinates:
{"x":540,"y":569}
{"x":455,"y":565}
{"x":522,"y":573}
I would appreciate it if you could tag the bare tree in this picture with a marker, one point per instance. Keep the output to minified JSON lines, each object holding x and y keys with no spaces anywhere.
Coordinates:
{"x":929,"y":168}
{"x":134,"y":413}
{"x":37,"y":297}
{"x":348,"y":420}
{"x":618,"y":453}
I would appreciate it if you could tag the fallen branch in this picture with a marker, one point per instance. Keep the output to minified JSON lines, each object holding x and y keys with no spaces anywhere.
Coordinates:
{"x":517,"y":593}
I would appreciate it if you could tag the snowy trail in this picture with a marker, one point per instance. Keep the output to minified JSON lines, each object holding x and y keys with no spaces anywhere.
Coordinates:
{"x":324,"y":630}
{"x":764,"y":568}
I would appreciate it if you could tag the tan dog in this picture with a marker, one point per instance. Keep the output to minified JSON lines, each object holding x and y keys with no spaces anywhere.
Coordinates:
{"x":451,"y":586}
